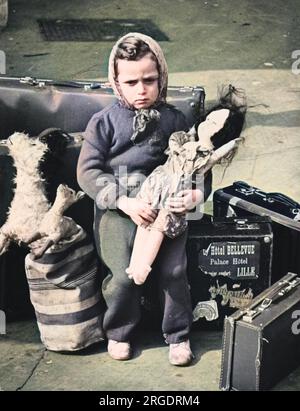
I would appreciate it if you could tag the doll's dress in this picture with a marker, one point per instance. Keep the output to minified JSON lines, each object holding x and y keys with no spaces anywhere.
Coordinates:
{"x":185,"y":159}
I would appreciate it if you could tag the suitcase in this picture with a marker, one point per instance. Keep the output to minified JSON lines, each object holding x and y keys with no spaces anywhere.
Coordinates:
{"x":33,"y":105}
{"x":242,"y":200}
{"x":261,"y":345}
{"x":229,"y":263}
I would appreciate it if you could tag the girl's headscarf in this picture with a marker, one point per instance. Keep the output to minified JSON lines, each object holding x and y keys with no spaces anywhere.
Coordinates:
{"x":161,"y":62}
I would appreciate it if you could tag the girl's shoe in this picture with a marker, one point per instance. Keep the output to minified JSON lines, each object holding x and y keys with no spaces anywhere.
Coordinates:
{"x":180,"y":353}
{"x":119,"y":350}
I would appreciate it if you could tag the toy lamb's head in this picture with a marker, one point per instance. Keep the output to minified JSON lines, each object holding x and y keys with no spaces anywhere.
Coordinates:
{"x":56,"y":140}
{"x":26,"y":152}
{"x":66,"y":196}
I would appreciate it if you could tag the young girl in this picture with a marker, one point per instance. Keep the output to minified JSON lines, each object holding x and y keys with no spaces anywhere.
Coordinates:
{"x":217,"y":138}
{"x":133,"y":134}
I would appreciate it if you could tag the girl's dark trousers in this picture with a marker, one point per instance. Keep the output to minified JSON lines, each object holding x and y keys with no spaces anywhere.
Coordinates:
{"x":115,"y":232}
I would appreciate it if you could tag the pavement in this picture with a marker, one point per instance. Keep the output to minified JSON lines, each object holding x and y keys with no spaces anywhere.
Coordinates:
{"x":247,"y":43}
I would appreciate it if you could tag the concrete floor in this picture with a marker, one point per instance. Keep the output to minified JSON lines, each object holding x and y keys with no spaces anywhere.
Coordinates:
{"x":247,"y":43}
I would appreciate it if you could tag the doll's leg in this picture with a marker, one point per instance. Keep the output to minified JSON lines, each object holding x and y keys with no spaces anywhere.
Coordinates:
{"x":145,"y":249}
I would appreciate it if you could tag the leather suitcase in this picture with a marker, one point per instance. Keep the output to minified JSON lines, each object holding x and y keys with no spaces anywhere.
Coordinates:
{"x":261,"y":345}
{"x":32,"y":105}
{"x":242,"y":200}
{"x":229,"y":264}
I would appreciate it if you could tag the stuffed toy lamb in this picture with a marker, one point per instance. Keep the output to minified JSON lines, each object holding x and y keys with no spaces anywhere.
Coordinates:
{"x":31,"y":216}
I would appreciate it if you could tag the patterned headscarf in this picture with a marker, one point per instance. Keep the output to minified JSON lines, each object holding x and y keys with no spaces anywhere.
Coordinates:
{"x":162,"y":66}
{"x":144,"y":116}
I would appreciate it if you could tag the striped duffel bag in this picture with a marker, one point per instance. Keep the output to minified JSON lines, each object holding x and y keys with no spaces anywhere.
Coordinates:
{"x":65,"y":291}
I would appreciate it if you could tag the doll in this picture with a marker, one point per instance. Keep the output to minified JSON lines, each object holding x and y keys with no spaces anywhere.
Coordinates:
{"x":189,"y":154}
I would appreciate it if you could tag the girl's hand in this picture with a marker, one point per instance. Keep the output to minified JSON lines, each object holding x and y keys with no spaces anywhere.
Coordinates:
{"x":184,"y":201}
{"x":139,"y":211}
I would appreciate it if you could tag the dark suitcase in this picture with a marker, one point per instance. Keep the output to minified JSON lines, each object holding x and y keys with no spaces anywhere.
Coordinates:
{"x":261,"y":345}
{"x":242,"y":200}
{"x":32,"y":105}
{"x":229,"y":263}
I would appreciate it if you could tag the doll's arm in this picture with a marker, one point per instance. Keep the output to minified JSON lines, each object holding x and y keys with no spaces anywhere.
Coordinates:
{"x":148,"y":241}
{"x":222,"y":152}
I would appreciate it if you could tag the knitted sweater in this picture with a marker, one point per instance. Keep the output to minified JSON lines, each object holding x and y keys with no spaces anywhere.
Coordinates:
{"x":108,"y":147}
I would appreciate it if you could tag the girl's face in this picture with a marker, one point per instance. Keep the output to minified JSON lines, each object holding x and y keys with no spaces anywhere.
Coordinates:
{"x":138,"y":81}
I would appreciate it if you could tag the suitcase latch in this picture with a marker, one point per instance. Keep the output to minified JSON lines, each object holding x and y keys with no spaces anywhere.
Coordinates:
{"x":251,"y":314}
{"x":29,"y":80}
{"x":32,"y":81}
{"x":246,"y":191}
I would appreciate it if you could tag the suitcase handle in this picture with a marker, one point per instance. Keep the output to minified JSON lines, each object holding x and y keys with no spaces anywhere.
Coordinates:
{"x":284,"y":287}
{"x":282,"y":198}
{"x":246,"y":189}
{"x":243,"y":187}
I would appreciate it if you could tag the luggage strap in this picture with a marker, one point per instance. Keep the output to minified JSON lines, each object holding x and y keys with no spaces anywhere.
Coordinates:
{"x":284,"y":287}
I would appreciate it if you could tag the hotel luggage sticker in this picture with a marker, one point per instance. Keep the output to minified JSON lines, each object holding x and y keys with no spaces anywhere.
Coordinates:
{"x":236,"y":299}
{"x":234,"y":260}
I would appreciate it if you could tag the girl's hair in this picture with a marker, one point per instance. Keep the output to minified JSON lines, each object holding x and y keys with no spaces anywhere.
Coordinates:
{"x":132,"y":49}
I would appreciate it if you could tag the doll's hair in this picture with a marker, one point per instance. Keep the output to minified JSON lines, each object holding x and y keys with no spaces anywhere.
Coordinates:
{"x":234,"y":100}
{"x":132,"y":49}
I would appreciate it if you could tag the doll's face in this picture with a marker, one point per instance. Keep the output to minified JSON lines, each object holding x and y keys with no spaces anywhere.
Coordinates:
{"x":138,"y":81}
{"x":212,"y":124}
